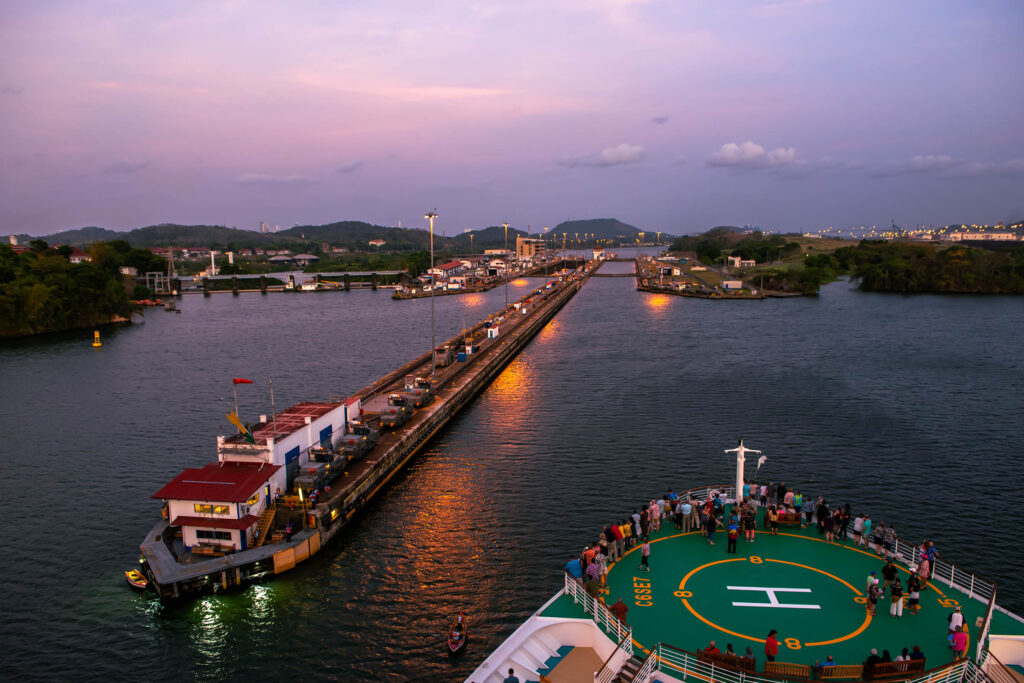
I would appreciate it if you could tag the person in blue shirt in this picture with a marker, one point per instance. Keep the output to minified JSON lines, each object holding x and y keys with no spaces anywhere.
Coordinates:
{"x":511,"y":678}
{"x":687,"y":516}
{"x":574,"y":568}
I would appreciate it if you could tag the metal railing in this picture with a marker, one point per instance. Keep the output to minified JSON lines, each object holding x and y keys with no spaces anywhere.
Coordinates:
{"x":994,"y":669}
{"x":613,"y":665}
{"x":603,"y":617}
{"x":681,"y":664}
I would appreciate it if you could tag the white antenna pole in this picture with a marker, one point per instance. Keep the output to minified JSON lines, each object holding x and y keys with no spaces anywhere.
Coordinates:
{"x":741,"y":453}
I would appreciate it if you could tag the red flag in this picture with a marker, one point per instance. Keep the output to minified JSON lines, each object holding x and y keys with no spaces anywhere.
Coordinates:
{"x":239,"y":380}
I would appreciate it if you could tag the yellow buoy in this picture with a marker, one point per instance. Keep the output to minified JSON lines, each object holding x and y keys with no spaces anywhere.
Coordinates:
{"x":96,"y":339}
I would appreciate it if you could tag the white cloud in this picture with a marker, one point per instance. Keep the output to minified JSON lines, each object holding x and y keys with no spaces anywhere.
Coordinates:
{"x":751,"y":155}
{"x":610,"y":156}
{"x":265,"y":180}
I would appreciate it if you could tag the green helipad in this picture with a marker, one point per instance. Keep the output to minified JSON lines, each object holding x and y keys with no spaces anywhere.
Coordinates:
{"x":810,"y":591}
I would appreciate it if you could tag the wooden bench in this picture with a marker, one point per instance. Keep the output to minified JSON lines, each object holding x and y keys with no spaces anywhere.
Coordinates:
{"x":728,"y":661}
{"x":889,"y":671}
{"x":839,"y":672}
{"x":790,"y":518}
{"x":793,"y":672}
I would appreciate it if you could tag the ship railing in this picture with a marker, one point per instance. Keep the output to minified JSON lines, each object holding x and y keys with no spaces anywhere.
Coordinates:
{"x":976,"y":587}
{"x":613,"y":665}
{"x":986,"y":625}
{"x":996,"y":671}
{"x":681,"y":664}
{"x":603,"y":617}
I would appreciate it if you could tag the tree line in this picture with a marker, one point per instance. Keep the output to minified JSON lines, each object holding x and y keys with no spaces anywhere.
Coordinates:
{"x":42,"y":291}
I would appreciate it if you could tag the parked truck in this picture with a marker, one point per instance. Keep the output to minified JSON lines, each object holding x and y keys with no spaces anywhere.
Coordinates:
{"x":325,"y":464}
{"x":419,"y":391}
{"x":397,"y":412}
{"x":359,"y":439}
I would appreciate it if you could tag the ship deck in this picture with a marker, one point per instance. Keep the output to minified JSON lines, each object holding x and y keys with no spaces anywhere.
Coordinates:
{"x":810,"y":591}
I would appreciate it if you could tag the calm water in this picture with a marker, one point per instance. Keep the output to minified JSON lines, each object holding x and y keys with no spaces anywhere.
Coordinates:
{"x":907,"y":407}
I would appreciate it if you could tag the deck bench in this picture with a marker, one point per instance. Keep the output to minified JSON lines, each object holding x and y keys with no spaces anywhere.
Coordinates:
{"x":788,"y":670}
{"x":790,"y":518}
{"x":894,"y":671}
{"x":728,"y":661}
{"x":839,"y":672}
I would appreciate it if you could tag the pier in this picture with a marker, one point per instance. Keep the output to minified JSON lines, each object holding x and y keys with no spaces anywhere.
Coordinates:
{"x":175,"y":571}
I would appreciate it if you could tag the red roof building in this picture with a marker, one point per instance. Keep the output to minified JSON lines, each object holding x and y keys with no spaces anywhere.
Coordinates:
{"x":228,"y":482}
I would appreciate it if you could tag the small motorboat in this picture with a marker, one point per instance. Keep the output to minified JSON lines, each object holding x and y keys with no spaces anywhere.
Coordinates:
{"x":136,"y":580}
{"x":458,"y":634}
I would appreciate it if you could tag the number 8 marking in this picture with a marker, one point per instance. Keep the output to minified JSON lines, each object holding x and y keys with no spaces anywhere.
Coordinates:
{"x":792,"y":643}
{"x":755,"y":559}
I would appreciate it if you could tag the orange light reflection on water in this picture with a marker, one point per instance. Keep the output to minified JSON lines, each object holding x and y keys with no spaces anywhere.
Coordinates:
{"x":521,"y":282}
{"x":472,"y":300}
{"x":657,"y":304}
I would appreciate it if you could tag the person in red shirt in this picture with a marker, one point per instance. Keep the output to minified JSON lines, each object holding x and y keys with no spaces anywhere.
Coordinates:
{"x":771,"y":646}
{"x":712,"y":649}
{"x":619,"y":609}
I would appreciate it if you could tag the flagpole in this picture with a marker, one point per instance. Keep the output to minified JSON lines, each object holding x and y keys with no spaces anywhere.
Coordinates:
{"x":273,"y":413}
{"x":234,"y":390}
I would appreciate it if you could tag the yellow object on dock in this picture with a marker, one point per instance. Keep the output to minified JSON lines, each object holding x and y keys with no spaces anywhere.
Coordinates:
{"x":96,"y":339}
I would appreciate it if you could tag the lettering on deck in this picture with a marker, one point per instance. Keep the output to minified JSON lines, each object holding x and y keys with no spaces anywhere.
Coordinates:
{"x":773,"y":601}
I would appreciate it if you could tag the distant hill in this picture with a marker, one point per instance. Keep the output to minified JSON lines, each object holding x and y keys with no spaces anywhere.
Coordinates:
{"x":601,"y":228}
{"x":79,"y":237}
{"x":212,"y":236}
{"x":357,"y":235}
{"x":492,"y":237}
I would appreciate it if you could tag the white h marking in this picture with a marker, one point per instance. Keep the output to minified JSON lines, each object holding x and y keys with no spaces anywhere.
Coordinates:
{"x":772,"y":600}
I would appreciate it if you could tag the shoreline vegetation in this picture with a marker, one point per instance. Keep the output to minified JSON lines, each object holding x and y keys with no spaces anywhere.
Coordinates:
{"x":800,"y":265}
{"x":42,"y":291}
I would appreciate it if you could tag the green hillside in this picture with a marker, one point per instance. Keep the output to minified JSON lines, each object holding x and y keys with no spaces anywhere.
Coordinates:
{"x":601,"y":228}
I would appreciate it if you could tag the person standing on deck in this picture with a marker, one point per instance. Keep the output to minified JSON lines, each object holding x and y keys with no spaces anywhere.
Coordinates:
{"x":914,"y":593}
{"x":866,"y":529}
{"x":932,"y":553}
{"x":828,"y":525}
{"x":960,"y":643}
{"x":845,"y":521}
{"x":619,"y":609}
{"x":750,"y":524}
{"x":924,"y":570}
{"x":574,"y":568}
{"x":896,"y":593}
{"x":858,"y":529}
{"x":771,"y":646}
{"x":764,"y":495}
{"x":616,"y":542}
{"x":955,"y":619}
{"x":710,"y":526}
{"x":734,"y":534}
{"x":645,"y":554}
{"x":773,"y":520}
{"x":889,"y":541}
{"x":770,"y":492}
{"x":877,"y":535}
{"x":687,"y":514}
{"x":889,"y":573}
{"x":780,"y":493}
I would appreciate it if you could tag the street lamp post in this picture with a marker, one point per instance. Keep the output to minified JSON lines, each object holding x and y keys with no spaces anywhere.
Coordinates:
{"x":505,"y":224}
{"x":430,"y":216}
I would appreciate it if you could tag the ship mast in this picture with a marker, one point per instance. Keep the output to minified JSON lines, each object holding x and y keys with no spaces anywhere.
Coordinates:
{"x":741,"y":456}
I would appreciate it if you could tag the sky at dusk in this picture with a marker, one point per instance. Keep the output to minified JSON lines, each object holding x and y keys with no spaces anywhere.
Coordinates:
{"x":672,"y":115}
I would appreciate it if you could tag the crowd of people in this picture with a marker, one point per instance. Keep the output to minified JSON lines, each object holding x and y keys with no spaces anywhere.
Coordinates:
{"x":773,"y":503}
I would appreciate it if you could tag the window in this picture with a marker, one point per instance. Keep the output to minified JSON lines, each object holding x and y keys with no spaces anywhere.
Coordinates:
{"x":208,"y":509}
{"x":255,"y":499}
{"x":205,"y":535}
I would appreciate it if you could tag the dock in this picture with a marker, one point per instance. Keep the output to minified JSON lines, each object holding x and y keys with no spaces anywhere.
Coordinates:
{"x":175,"y":573}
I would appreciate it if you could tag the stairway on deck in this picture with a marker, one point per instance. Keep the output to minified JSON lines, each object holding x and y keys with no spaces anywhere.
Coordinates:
{"x":628,"y":671}
{"x":263,"y":525}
